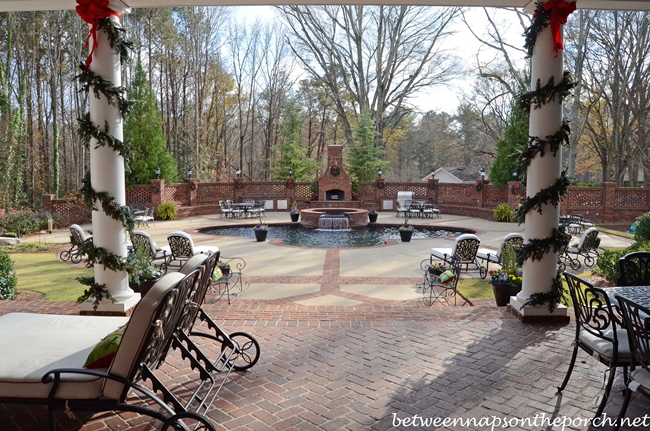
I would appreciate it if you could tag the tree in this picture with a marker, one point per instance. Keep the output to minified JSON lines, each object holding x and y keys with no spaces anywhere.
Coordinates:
{"x":515,"y":137}
{"x":372,"y":58}
{"x":292,"y":154}
{"x":143,"y":129}
{"x":364,"y":157}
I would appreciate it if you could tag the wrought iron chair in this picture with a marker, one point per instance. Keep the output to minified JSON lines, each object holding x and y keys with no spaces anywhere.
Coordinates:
{"x":150,"y":217}
{"x":403,"y":207}
{"x":637,"y":321}
{"x":224,"y":210}
{"x":598,"y":332}
{"x":141,"y":216}
{"x":182,"y":247}
{"x":488,"y":255}
{"x":634,"y":269}
{"x":466,"y":246}
{"x":587,"y":248}
{"x":589,"y":220}
{"x":435,"y":290}
{"x":77,"y":237}
{"x":142,"y":240}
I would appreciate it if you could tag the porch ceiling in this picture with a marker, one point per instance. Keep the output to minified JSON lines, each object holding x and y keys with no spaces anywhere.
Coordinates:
{"x":26,"y":5}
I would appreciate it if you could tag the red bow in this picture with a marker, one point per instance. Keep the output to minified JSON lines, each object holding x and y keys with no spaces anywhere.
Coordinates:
{"x":560,"y":11}
{"x":91,"y":11}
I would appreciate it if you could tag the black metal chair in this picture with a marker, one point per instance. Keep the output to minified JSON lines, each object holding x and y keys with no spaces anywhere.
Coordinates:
{"x":77,"y":237}
{"x":466,"y":245}
{"x":634,"y":269}
{"x":435,"y":290}
{"x":637,"y":321}
{"x":587,"y":248}
{"x":598,"y":332}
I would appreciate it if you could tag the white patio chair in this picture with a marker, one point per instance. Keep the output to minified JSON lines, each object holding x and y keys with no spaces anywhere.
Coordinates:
{"x":466,"y":246}
{"x":141,"y":239}
{"x":494,"y":256}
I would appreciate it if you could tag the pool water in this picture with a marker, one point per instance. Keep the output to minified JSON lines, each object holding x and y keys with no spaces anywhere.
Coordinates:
{"x":326,"y":238}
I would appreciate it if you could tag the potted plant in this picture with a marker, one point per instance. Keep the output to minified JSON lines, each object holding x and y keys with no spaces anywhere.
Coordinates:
{"x":261,"y":230}
{"x":372,"y":215}
{"x":142,"y":273}
{"x":313,"y":189}
{"x":406,"y":230}
{"x":355,"y":190}
{"x":435,"y":268}
{"x":224,"y":267}
{"x":295,"y":212}
{"x":506,"y":282}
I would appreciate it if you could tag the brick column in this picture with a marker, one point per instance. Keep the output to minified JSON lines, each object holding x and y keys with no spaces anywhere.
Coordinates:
{"x":192,"y":193}
{"x":481,"y":195}
{"x":156,"y":197}
{"x":291,"y":191}
{"x":380,"y":194}
{"x":433,"y":194}
{"x":609,"y":196}
{"x":513,"y":198}
{"x":46,"y":202}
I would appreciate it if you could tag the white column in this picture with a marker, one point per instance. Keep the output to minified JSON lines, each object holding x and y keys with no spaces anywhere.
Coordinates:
{"x":107,"y":175}
{"x":542,"y":173}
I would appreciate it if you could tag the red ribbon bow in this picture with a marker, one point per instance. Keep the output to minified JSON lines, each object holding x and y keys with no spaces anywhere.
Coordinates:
{"x":560,"y":11}
{"x":91,"y":11}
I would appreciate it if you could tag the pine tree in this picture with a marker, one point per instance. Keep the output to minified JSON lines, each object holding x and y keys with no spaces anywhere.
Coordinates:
{"x":364,"y":157}
{"x":292,"y":154}
{"x":515,"y":137}
{"x":143,"y":129}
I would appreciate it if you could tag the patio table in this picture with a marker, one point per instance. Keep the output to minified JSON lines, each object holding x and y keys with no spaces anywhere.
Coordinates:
{"x":638,"y":294}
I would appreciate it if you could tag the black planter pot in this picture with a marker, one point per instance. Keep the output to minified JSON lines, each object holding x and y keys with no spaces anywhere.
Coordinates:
{"x":503,"y":292}
{"x":294,"y":217}
{"x":406,"y":235}
{"x":260,"y":235}
{"x":373,"y":217}
{"x":143,"y":287}
{"x":435,"y":271}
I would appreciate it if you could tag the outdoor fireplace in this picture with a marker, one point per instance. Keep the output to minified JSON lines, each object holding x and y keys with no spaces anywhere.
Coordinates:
{"x":334,"y":184}
{"x":334,"y":195}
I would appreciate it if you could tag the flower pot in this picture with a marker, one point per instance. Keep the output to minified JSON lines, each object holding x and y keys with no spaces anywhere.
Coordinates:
{"x":435,"y":271}
{"x":294,"y":217}
{"x":503,"y":292}
{"x":260,"y":235}
{"x":143,"y":287}
{"x":406,"y":235}
{"x":373,"y":217}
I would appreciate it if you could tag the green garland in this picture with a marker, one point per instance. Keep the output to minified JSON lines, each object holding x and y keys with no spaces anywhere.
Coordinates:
{"x":540,"y":22}
{"x":551,"y":195}
{"x":87,"y":131}
{"x":538,"y":146}
{"x":543,"y":95}
{"x":536,"y":248}
{"x":116,"y":39}
{"x":552,"y":298}
{"x":95,"y":291}
{"x":87,"y":78}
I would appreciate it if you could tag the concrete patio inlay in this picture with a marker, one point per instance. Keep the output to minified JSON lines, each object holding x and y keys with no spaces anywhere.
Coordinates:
{"x":386,"y":292}
{"x":329,"y":300}
{"x":277,"y":291}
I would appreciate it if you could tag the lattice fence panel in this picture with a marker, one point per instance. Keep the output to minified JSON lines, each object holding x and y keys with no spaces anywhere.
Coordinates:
{"x":631,"y":198}
{"x":494,"y":196}
{"x":391,"y":189}
{"x":71,"y":212}
{"x":265,"y":189}
{"x":367,"y":191}
{"x":584,"y":196}
{"x":211,"y":193}
{"x":178,"y":193}
{"x":139,"y":195}
{"x":464,"y":194}
{"x":302,"y":190}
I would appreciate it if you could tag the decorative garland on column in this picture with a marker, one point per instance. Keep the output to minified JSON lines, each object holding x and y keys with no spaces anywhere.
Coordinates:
{"x":97,"y":13}
{"x":553,"y":13}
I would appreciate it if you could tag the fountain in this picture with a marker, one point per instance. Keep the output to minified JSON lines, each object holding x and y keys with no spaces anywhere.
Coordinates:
{"x":333,"y":218}
{"x":333,"y":222}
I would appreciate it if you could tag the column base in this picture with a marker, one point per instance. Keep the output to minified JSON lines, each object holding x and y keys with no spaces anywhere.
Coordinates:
{"x":108,"y":308}
{"x":538,"y":314}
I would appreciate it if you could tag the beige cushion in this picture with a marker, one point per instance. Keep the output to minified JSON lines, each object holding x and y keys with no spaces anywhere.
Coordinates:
{"x":441,"y":252}
{"x":604,"y":347}
{"x":32,"y":344}
{"x":482,"y":253}
{"x":139,"y":324}
{"x":193,"y":263}
{"x":642,"y":377}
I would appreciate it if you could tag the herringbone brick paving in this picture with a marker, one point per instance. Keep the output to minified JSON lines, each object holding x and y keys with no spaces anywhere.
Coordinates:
{"x":355,"y":376}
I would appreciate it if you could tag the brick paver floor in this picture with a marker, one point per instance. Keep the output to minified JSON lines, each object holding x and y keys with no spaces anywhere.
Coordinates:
{"x":343,"y":368}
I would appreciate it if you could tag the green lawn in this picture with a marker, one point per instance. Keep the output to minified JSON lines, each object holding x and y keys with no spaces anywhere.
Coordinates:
{"x":475,"y":288}
{"x":45,"y":273}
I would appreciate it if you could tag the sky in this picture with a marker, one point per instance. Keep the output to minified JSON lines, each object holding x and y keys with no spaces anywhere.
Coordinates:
{"x":442,"y":98}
